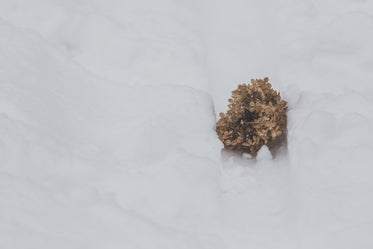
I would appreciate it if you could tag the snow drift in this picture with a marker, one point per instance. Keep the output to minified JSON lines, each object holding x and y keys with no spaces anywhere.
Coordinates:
{"x":107,"y":117}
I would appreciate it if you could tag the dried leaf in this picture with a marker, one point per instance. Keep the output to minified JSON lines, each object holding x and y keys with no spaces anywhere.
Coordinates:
{"x":256,"y":116}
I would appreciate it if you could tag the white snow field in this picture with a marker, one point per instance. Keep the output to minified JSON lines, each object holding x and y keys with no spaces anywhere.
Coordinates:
{"x":107,"y":117}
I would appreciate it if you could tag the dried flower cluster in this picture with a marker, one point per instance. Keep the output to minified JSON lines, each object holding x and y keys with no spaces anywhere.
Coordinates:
{"x":256,"y":116}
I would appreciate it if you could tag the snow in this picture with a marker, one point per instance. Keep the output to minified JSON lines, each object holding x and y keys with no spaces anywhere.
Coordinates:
{"x":246,"y":155}
{"x":107,"y":116}
{"x":264,"y":154}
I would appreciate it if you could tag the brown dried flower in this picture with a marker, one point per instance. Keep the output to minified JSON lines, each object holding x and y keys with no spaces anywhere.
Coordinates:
{"x":256,"y":117}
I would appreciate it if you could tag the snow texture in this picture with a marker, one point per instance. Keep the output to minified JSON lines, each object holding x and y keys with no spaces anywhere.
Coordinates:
{"x":247,"y":155}
{"x":264,"y":154}
{"x":107,"y":116}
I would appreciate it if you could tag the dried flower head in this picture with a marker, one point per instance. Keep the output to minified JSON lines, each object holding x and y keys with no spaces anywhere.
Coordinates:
{"x":256,"y":117}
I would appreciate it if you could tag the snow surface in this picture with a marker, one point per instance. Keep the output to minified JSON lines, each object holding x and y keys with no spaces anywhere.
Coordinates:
{"x":107,"y":115}
{"x":264,"y":154}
